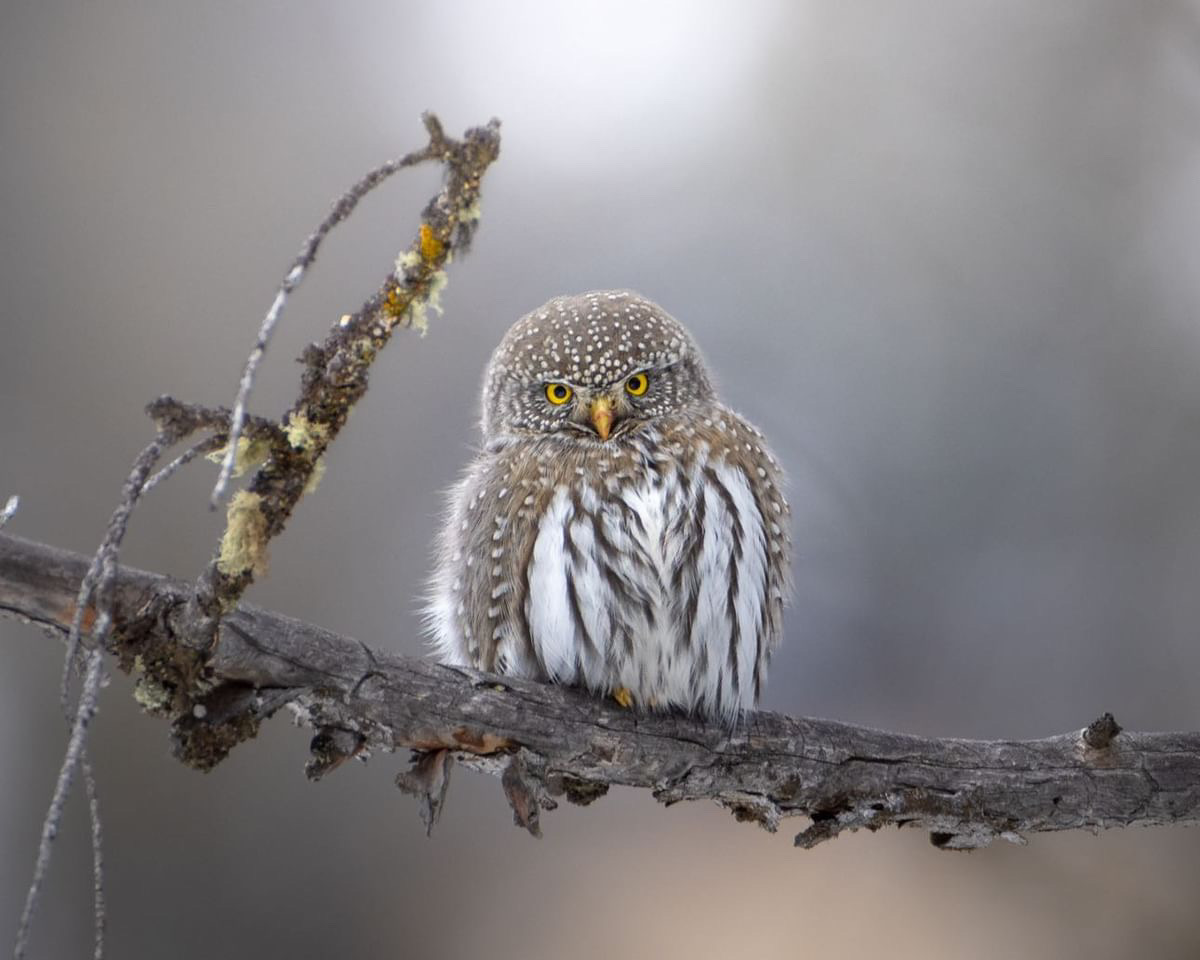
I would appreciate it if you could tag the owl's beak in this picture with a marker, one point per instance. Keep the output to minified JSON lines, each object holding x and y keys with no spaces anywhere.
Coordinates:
{"x":602,"y":416}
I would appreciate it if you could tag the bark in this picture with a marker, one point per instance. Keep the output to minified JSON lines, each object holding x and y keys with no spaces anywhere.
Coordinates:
{"x":548,"y":741}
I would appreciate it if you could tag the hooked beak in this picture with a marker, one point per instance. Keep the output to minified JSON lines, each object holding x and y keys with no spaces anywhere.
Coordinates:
{"x":602,"y":416}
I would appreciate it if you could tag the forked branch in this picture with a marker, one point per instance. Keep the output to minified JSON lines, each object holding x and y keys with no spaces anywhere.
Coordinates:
{"x":289,"y":457}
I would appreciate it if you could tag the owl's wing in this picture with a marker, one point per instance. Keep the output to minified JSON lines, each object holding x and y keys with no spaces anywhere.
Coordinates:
{"x":752,"y":457}
{"x":476,"y":614}
{"x":440,"y":613}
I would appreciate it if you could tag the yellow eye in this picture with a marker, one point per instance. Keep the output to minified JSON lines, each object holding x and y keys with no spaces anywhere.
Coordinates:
{"x":637,"y":384}
{"x":558,"y":393}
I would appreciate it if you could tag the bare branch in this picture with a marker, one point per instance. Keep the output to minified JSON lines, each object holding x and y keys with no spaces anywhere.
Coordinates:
{"x":99,"y":906}
{"x":75,"y":749}
{"x":92,"y":603}
{"x":565,"y":743}
{"x":207,"y":445}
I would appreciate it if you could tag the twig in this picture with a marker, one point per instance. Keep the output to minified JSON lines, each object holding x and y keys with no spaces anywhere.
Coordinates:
{"x":95,"y":594}
{"x":207,"y":445}
{"x":342,"y":209}
{"x":966,"y":793}
{"x":99,"y":909}
{"x":75,"y":747}
{"x":96,"y":583}
{"x":99,"y":906}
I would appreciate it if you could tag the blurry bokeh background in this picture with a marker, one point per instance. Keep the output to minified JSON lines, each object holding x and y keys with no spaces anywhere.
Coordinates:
{"x":943,"y":252}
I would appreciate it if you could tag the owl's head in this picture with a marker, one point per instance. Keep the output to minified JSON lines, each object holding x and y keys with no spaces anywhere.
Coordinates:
{"x":596,"y":364}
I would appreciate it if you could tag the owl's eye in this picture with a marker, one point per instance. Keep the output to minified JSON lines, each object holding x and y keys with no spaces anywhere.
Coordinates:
{"x":558,"y":393}
{"x":637,"y":384}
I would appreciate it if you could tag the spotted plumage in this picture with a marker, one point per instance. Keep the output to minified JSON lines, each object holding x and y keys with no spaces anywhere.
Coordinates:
{"x":631,"y":538}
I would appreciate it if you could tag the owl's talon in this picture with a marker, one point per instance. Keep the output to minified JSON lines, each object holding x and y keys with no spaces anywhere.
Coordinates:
{"x":624,"y":697}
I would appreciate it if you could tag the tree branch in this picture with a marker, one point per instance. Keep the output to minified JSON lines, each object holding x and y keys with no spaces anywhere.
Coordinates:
{"x":336,"y":371}
{"x":550,"y":741}
{"x":289,"y":457}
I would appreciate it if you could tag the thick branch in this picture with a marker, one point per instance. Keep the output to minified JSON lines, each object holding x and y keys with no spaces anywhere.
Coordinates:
{"x":965,"y":792}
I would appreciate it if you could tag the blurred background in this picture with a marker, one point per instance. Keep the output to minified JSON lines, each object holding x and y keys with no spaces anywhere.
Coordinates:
{"x":943,"y":252}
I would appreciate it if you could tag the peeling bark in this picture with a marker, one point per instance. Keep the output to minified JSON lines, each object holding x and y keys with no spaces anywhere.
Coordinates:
{"x":547,"y":740}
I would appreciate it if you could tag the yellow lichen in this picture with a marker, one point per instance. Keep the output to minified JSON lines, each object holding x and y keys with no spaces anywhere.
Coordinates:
{"x":250,"y":453}
{"x":244,"y":545}
{"x":303,"y":434}
{"x":431,"y":246}
{"x":396,"y":302}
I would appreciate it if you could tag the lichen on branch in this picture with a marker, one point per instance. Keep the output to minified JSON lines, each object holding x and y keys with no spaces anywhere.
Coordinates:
{"x":212,"y":716}
{"x":335,"y":372}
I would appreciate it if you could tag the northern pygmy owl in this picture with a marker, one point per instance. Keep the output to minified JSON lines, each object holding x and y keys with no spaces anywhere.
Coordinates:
{"x":620,"y":529}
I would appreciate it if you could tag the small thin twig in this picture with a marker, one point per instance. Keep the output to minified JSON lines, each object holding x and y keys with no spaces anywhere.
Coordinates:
{"x":75,"y":747}
{"x":95,"y":593}
{"x":99,"y":906}
{"x":104,"y":564}
{"x":342,"y":208}
{"x":207,"y":445}
{"x":179,"y":420}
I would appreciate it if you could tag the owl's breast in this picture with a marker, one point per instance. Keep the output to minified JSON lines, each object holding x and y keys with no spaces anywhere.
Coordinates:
{"x":653,"y":579}
{"x":657,"y":565}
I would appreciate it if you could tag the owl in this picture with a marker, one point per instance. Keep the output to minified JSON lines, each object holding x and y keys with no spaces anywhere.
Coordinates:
{"x":620,"y":529}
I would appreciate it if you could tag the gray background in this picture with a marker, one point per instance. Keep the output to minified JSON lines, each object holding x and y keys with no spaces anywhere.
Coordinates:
{"x":942,"y":252}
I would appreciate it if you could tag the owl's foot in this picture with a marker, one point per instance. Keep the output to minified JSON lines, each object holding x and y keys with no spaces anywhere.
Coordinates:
{"x":623,"y":696}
